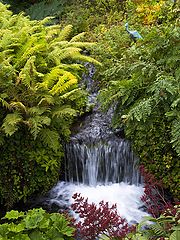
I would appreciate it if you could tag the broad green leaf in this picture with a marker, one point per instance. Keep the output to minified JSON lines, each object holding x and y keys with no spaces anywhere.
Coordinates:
{"x":21,"y":236}
{"x":44,"y":223}
{"x":14,"y":214}
{"x":33,"y":218}
{"x":37,"y":235}
{"x":16,"y":227}
{"x":3,"y":229}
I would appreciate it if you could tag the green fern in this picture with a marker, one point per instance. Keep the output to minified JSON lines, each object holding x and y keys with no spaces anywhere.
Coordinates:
{"x":39,"y":99}
{"x":78,"y":37}
{"x":64,"y":111}
{"x":50,"y":138}
{"x":175,"y":131}
{"x":141,"y":111}
{"x":11,"y":123}
{"x":65,"y":33}
{"x":18,"y":106}
{"x":4,"y":103}
{"x":65,"y":82}
{"x":36,"y":123}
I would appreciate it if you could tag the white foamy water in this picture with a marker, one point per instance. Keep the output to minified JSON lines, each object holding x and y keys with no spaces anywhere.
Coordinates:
{"x":127,"y":197}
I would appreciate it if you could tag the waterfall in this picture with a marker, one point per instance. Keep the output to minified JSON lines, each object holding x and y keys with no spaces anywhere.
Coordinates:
{"x":99,"y":164}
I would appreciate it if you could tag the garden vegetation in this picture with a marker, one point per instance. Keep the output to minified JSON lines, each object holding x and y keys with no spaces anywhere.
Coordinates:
{"x":40,"y":68}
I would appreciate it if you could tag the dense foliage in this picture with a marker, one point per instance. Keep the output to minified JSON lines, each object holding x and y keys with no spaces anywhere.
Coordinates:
{"x":39,"y":98}
{"x":35,"y":224}
{"x":144,"y":87}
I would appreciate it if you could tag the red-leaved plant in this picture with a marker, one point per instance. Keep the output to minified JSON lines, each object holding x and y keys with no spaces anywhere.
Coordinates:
{"x":97,"y":220}
{"x":154,"y":196}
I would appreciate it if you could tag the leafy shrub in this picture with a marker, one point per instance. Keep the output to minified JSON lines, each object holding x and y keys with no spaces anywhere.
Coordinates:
{"x":35,"y":224}
{"x":154,"y":197}
{"x":143,"y":80}
{"x":39,"y":99}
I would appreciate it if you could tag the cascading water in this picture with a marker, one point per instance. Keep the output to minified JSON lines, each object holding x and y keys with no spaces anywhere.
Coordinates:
{"x":100,"y":165}
{"x":102,"y":162}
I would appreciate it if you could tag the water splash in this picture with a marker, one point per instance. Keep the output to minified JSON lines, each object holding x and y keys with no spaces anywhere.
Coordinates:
{"x":127,"y":197}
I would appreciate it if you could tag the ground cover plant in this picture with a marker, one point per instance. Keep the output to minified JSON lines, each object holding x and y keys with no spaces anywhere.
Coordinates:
{"x":36,"y":224}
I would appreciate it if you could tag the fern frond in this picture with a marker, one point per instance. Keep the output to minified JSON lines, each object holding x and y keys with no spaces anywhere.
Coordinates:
{"x":83,"y":58}
{"x":65,"y":33}
{"x":64,"y":111}
{"x":51,"y":77}
{"x":81,"y":44}
{"x":163,"y":84}
{"x":176,"y":234}
{"x":78,"y":37}
{"x":65,"y":82}
{"x":28,"y":74}
{"x":73,"y":92}
{"x":58,"y":55}
{"x":47,"y":99}
{"x":175,"y":132}
{"x":4,"y":103}
{"x":10,"y":123}
{"x":71,"y":67}
{"x":157,"y":229}
{"x":36,"y":124}
{"x":29,"y":48}
{"x":37,"y":111}
{"x":51,"y":34}
{"x":18,"y":106}
{"x":61,"y":44}
{"x":175,"y":103}
{"x":141,"y":111}
{"x":50,"y":138}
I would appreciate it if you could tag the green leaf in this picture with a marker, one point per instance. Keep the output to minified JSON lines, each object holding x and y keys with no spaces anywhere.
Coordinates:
{"x":175,"y":235}
{"x":44,"y":223}
{"x":11,"y":121}
{"x":4,"y":229}
{"x":21,"y":236}
{"x":50,"y":138}
{"x":37,"y":235}
{"x":33,"y":218}
{"x":16,"y":228}
{"x":36,"y":123}
{"x":13,"y":215}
